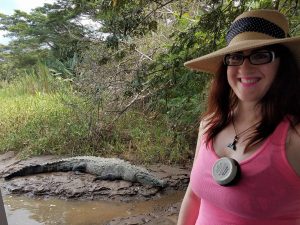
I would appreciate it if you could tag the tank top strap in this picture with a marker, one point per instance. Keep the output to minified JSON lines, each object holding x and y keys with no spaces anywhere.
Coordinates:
{"x":280,"y":134}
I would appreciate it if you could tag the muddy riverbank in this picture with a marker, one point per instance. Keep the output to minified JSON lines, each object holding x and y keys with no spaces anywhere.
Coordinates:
{"x":71,"y":186}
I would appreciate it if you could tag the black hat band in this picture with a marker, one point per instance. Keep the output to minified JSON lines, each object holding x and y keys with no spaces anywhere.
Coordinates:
{"x":254,"y":24}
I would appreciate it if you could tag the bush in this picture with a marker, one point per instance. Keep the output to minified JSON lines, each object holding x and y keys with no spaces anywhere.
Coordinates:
{"x":42,"y":115}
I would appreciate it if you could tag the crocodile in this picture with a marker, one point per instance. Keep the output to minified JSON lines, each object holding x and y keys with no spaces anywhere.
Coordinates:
{"x":103,"y":168}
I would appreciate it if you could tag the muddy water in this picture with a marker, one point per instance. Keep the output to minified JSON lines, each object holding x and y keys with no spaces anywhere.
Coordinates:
{"x":33,"y":211}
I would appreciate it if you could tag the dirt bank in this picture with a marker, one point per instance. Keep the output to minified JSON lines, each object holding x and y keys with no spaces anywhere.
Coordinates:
{"x":68,"y":185}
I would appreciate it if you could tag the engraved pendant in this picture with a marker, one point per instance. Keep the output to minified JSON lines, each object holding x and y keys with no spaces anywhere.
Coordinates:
{"x":233,"y":144}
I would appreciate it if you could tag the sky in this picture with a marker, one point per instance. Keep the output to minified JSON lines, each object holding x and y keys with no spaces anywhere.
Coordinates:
{"x":8,"y":6}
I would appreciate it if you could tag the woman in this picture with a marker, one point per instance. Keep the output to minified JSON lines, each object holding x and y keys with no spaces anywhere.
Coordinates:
{"x":247,"y":164}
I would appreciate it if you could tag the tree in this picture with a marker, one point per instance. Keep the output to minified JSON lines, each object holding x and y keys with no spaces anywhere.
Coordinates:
{"x":139,"y":60}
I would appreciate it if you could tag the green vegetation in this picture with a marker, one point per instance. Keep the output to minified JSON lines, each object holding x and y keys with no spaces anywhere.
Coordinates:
{"x":42,"y":115}
{"x":119,"y":89}
{"x":35,"y":116}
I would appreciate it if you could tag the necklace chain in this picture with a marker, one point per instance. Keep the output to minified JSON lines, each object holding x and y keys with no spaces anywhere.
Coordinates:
{"x":232,"y":145}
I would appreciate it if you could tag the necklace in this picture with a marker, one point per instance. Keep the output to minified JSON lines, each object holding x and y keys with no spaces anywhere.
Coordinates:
{"x":232,"y":145}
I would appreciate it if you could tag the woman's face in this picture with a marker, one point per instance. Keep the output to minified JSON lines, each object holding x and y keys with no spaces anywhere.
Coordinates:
{"x":251,"y":82}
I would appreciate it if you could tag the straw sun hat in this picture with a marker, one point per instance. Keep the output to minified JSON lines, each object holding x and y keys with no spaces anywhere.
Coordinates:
{"x":251,"y":29}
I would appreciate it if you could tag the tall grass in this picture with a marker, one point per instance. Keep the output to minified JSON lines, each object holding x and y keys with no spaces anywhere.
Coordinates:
{"x":151,"y":139}
{"x":40,"y":114}
{"x":37,"y":115}
{"x":37,"y":80}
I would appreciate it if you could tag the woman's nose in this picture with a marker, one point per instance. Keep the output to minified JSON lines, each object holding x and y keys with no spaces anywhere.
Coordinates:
{"x":246,"y":65}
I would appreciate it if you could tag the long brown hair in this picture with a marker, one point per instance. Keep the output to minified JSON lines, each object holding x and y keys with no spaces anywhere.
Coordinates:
{"x":281,"y":100}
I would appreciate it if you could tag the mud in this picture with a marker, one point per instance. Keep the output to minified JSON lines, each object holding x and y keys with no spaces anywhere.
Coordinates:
{"x":68,"y":185}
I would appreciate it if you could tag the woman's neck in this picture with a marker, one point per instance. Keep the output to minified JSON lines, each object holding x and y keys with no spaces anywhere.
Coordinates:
{"x":247,"y":113}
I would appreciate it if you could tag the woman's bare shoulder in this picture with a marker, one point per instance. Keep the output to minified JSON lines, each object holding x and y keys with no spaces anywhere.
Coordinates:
{"x":201,"y":133}
{"x":204,"y":123}
{"x":293,"y":138}
{"x":293,"y":148}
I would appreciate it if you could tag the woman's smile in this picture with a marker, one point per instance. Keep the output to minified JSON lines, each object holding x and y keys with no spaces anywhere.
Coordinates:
{"x":249,"y":81}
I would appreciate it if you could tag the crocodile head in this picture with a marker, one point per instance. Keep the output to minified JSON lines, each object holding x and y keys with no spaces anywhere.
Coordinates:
{"x":148,"y":179}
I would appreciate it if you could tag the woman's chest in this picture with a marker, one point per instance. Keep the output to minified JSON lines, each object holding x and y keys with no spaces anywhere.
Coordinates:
{"x":265,"y":187}
{"x":224,"y":141}
{"x":263,"y":190}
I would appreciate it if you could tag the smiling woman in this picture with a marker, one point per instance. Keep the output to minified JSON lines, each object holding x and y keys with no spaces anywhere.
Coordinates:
{"x":249,"y":81}
{"x":252,"y":123}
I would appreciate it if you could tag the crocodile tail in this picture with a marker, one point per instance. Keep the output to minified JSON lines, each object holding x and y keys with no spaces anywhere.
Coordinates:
{"x":27,"y":170}
{"x":36,"y":169}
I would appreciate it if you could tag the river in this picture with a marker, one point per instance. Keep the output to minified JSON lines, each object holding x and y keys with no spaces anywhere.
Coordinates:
{"x":22,"y":210}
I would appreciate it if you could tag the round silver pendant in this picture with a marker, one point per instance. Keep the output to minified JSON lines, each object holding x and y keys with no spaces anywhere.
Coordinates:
{"x":226,"y":171}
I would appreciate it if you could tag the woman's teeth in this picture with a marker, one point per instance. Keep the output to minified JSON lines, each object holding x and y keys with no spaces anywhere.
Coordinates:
{"x":249,"y":81}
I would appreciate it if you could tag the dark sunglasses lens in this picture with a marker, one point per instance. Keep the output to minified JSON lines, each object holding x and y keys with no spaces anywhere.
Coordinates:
{"x":261,"y":58}
{"x":234,"y":59}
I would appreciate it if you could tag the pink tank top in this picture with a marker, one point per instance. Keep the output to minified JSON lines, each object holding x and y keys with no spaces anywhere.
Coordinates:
{"x":267,"y":194}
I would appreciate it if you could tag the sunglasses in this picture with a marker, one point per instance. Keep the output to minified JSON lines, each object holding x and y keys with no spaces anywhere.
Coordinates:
{"x":255,"y":58}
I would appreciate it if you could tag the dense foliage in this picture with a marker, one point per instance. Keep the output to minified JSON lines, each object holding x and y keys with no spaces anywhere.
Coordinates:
{"x":127,"y":56}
